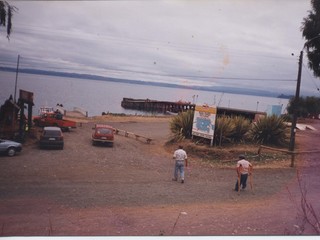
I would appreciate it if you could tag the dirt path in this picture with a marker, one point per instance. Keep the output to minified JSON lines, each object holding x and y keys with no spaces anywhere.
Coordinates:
{"x":127,"y":190}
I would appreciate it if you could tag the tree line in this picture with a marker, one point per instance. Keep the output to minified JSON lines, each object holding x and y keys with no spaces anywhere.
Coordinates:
{"x":305,"y":107}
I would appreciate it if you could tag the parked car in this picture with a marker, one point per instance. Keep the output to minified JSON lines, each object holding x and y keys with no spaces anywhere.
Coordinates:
{"x":103,"y":134}
{"x":10,"y":147}
{"x":54,"y":119}
{"x":51,"y":137}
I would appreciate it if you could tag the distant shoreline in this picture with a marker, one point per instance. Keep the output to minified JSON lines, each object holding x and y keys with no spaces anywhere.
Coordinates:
{"x":232,"y":90}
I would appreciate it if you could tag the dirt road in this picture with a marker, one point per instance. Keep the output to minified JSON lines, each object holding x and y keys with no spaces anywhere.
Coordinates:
{"x":127,"y":190}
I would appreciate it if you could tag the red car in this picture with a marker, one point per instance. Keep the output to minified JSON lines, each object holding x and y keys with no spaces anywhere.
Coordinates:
{"x":54,"y":119}
{"x":103,"y":134}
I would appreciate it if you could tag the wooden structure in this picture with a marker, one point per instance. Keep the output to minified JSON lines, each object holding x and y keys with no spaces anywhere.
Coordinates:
{"x":9,"y":124}
{"x":292,"y":153}
{"x":176,"y":107}
{"x":137,"y":136}
{"x":251,"y":115}
{"x":156,"y":106}
{"x":25,"y":123}
{"x":13,"y":121}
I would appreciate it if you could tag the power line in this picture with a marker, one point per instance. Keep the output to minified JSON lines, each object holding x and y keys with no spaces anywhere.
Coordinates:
{"x":312,"y":78}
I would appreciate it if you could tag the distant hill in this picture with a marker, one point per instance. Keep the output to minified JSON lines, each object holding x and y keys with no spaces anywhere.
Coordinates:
{"x":285,"y":96}
{"x":234,"y":90}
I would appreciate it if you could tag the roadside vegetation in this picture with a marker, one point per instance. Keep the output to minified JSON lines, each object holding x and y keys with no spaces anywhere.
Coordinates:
{"x":231,"y":130}
{"x":181,"y":126}
{"x":233,"y":135}
{"x":270,"y":130}
{"x":305,"y":106}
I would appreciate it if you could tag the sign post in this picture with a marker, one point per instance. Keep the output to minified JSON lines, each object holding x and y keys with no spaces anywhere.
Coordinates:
{"x":204,"y":122}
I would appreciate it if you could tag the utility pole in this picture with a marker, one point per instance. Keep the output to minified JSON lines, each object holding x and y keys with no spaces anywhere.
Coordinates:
{"x":295,"y":111}
{"x":295,"y":102}
{"x":15,"y":86}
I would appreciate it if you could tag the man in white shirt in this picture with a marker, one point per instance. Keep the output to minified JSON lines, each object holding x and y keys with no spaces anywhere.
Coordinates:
{"x":244,"y":168}
{"x":180,"y":157}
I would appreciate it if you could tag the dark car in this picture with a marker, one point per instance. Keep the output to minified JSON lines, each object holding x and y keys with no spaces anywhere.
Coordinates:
{"x":10,"y":147}
{"x":103,"y":134}
{"x":51,"y":137}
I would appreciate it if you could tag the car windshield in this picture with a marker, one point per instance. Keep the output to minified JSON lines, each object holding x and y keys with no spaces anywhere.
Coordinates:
{"x":104,"y":131}
{"x":51,"y":133}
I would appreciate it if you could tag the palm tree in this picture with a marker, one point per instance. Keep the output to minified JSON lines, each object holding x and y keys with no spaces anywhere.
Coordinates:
{"x":6,"y":13}
{"x":310,"y":30}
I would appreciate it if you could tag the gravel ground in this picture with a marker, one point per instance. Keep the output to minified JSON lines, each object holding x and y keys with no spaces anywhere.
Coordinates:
{"x":127,"y":190}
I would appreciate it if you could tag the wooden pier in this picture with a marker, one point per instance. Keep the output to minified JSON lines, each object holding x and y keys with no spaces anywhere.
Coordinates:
{"x":156,"y":106}
{"x":176,"y":107}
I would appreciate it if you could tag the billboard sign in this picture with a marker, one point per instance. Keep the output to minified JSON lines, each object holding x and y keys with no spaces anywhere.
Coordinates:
{"x":204,"y":121}
{"x":26,"y":96}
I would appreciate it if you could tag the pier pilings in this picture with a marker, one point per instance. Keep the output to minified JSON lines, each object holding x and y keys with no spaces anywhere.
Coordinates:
{"x":156,"y":106}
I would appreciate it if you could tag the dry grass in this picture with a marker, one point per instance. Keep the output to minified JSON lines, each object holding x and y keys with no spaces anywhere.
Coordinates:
{"x":227,"y":156}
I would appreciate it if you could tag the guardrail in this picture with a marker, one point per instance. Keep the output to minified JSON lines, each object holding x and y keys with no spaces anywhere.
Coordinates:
{"x":128,"y":134}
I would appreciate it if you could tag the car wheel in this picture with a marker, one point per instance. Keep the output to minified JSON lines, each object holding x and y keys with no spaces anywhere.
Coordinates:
{"x":11,"y":152}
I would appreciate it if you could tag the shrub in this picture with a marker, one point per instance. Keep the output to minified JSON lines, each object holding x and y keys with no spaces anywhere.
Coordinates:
{"x":287,"y":117}
{"x":269,"y":130}
{"x":241,"y":128}
{"x":224,"y":129}
{"x":181,"y":125}
{"x":304,"y":106}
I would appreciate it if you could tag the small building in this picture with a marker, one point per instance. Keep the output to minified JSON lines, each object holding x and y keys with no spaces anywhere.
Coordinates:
{"x":13,"y":121}
{"x":251,"y":115}
{"x":9,"y":119}
{"x":176,"y":107}
{"x":274,"y":110}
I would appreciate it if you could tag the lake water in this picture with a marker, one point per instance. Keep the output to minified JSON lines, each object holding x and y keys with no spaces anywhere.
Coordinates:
{"x":101,"y":96}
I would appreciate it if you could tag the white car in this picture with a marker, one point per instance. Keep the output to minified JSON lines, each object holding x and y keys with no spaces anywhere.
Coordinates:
{"x":10,"y":147}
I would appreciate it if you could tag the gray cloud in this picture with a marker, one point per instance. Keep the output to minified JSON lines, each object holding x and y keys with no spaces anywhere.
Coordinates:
{"x":189,"y":42}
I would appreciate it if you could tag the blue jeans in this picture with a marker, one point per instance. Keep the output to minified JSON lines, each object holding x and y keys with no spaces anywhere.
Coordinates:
{"x":243,"y":182}
{"x":179,"y":167}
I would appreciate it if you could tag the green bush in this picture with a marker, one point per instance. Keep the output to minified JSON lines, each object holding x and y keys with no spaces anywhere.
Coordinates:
{"x":304,"y":106}
{"x":242,"y":127}
{"x":181,"y":125}
{"x":224,"y":130}
{"x":231,"y":129}
{"x":269,"y":130}
{"x":287,"y":117}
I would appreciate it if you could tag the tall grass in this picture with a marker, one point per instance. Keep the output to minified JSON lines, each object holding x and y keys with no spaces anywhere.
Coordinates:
{"x":242,"y":127}
{"x":234,"y":129}
{"x":231,"y":129}
{"x":181,"y":125}
{"x":224,"y":130}
{"x":269,"y":130}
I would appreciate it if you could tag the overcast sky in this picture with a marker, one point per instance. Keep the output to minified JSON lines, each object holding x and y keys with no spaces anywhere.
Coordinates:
{"x":244,"y":43}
